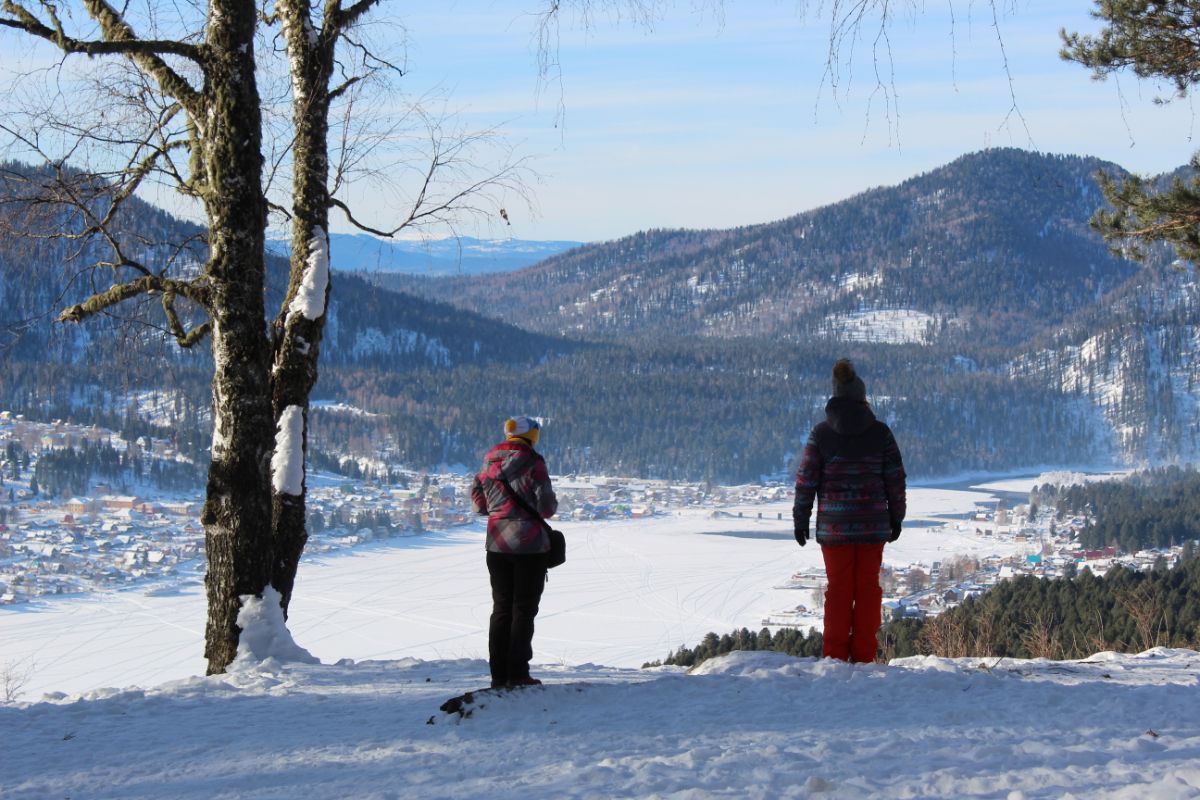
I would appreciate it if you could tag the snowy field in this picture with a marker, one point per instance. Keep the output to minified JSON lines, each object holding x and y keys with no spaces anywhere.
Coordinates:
{"x":747,"y":725}
{"x":631,"y":592}
{"x":892,"y":326}
{"x":400,"y":629}
{"x":1025,"y":484}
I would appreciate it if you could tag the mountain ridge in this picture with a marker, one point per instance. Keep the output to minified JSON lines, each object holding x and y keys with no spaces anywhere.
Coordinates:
{"x":965,"y":328}
{"x":1017,"y":218}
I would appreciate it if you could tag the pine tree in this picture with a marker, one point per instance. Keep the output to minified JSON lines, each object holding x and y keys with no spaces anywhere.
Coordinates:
{"x":1155,"y":40}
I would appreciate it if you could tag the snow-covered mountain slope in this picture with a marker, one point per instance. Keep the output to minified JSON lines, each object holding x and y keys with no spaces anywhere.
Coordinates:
{"x":746,"y":725}
{"x":1135,"y":360}
{"x":996,"y":242}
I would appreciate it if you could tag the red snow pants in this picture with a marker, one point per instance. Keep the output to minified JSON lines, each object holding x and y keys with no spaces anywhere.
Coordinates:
{"x":852,"y":601}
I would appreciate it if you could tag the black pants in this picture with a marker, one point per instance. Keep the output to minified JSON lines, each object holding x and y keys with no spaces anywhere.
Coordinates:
{"x":517,"y":583}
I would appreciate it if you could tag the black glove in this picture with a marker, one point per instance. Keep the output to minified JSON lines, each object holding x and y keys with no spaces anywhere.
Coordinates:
{"x":801,"y":534}
{"x":895,"y":532}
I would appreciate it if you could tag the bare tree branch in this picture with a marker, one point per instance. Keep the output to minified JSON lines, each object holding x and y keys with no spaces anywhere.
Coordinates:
{"x":184,"y":338}
{"x":448,"y":160}
{"x":337,"y":92}
{"x":119,"y":37}
{"x":345,"y":18}
{"x":147,"y":284}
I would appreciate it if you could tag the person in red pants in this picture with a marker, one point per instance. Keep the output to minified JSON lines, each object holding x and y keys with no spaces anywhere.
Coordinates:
{"x":852,"y":468}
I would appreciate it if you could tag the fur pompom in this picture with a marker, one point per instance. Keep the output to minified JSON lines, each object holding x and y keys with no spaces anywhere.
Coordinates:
{"x":843,"y":371}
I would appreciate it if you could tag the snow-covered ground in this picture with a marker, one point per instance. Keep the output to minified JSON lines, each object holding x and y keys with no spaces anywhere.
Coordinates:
{"x":631,"y":591}
{"x":746,"y":725}
{"x":400,"y":628}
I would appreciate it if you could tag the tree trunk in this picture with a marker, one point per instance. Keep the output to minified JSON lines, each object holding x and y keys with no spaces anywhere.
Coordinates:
{"x":237,"y":515}
{"x":300,"y":325}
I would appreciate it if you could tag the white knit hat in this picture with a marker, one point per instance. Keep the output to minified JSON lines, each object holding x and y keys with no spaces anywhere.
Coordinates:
{"x":525,"y":427}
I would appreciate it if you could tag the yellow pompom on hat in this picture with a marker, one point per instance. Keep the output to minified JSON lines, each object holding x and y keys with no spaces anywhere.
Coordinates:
{"x":523,"y":427}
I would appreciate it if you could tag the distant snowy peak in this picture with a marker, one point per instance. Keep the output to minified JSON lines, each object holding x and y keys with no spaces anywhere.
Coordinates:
{"x":449,"y":256}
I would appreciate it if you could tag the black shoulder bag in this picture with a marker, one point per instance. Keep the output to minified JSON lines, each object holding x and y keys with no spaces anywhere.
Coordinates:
{"x":558,"y":542}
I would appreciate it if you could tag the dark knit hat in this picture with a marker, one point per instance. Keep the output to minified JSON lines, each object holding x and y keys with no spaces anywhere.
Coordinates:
{"x":846,"y":382}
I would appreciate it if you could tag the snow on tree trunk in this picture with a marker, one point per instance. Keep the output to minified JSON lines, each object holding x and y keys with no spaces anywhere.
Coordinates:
{"x":287,"y":464}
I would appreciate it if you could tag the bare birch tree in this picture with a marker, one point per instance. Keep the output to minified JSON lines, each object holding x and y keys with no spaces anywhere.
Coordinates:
{"x":197,"y":124}
{"x":449,"y":185}
{"x":203,"y":84}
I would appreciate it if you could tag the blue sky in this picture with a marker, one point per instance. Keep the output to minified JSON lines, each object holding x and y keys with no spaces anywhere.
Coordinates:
{"x":722,"y":118}
{"x":719,"y":113}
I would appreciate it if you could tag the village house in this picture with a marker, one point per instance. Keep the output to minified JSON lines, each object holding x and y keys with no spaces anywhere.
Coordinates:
{"x":119,"y":502}
{"x":180,"y":508}
{"x":80,"y":506}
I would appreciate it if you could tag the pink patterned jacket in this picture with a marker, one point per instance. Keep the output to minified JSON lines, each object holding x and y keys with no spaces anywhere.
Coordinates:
{"x":510,"y":529}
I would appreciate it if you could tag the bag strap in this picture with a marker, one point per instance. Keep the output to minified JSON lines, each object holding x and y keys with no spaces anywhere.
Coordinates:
{"x":520,"y":501}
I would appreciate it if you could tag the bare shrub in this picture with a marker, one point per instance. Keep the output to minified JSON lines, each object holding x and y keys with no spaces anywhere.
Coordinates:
{"x":13,"y":678}
{"x":946,"y":635}
{"x":1040,"y":639}
{"x":1145,"y":605}
{"x":983,"y":641}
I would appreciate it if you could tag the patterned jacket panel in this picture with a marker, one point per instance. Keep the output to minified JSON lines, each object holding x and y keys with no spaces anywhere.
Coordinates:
{"x":855,"y":474}
{"x":511,"y":529}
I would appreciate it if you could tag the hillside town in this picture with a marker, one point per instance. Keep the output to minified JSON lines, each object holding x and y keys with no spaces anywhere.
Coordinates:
{"x":127,"y":532}
{"x":132,"y":533}
{"x":1047,"y":548}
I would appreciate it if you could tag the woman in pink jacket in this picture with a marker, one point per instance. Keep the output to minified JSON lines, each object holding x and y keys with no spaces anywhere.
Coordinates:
{"x":516,"y":545}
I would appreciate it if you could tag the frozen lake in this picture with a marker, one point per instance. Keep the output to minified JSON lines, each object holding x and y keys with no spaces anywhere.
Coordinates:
{"x":631,"y":591}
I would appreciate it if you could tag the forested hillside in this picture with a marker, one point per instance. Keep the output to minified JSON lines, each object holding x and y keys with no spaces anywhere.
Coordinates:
{"x":1134,"y":356}
{"x":992,"y":326}
{"x":1154,"y":509}
{"x":721,"y":411}
{"x":1028,"y":617}
{"x":996,"y":328}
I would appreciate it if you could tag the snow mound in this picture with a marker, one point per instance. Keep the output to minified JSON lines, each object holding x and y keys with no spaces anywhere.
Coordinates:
{"x":265,"y":636}
{"x":743,"y":663}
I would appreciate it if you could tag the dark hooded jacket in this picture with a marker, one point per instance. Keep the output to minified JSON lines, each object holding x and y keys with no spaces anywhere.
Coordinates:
{"x":852,"y":464}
